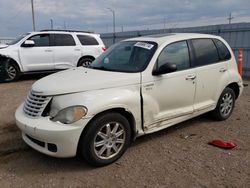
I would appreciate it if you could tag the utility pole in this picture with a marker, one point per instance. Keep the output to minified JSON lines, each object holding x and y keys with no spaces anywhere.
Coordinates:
{"x":51,"y":24}
{"x":230,"y":18}
{"x":64,"y":24}
{"x":33,"y":15}
{"x":164,"y":24}
{"x":113,"y":12}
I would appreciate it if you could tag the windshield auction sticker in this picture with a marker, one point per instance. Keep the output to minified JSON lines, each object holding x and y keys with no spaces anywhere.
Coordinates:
{"x":144,"y":45}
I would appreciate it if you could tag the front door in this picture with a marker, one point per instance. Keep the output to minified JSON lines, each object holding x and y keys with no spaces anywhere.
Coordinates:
{"x":170,"y":95}
{"x":39,"y":57}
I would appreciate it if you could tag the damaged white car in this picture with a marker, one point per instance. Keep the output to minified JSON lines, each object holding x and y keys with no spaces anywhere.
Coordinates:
{"x":138,"y":86}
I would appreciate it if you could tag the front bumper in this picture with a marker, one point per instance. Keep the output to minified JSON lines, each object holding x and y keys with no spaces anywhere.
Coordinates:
{"x":51,"y":138}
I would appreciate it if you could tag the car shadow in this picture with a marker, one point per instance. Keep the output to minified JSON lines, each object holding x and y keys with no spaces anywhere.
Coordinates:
{"x":26,"y":77}
{"x":33,"y":76}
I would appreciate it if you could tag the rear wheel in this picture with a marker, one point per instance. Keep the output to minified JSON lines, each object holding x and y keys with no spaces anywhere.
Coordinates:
{"x":85,"y":62}
{"x":225,"y":105}
{"x":106,"y":139}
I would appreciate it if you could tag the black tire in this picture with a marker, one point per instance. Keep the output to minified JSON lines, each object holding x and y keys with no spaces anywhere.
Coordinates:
{"x":84,"y":62}
{"x":12,"y":72}
{"x":227,"y":98}
{"x":91,"y":144}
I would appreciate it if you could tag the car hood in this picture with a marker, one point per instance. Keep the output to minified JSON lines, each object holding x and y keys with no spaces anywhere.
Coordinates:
{"x":83,"y":79}
{"x":3,"y":46}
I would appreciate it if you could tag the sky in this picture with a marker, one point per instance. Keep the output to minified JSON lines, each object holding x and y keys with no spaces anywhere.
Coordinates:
{"x":94,"y":15}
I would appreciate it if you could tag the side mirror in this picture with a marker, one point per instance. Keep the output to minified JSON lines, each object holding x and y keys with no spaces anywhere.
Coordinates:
{"x":165,"y":68}
{"x":28,"y":43}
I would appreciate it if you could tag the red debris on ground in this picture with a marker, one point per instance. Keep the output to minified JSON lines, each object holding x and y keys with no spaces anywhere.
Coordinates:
{"x":222,"y":144}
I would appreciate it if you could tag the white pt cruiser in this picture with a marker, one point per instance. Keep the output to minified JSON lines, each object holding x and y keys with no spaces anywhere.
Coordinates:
{"x":138,"y":86}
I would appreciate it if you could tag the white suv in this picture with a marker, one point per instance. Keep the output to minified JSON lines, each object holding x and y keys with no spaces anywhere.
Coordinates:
{"x":138,"y":86}
{"x":50,"y":51}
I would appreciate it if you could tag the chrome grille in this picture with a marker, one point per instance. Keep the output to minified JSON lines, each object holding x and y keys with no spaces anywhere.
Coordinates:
{"x":35,"y":104}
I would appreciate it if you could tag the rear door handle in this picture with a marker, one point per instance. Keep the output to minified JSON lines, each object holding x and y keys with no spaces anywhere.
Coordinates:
{"x":223,"y":70}
{"x":48,"y":50}
{"x":190,"y":77}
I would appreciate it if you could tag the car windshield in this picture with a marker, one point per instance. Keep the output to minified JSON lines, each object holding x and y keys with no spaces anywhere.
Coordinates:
{"x":18,"y":39}
{"x":128,"y":56}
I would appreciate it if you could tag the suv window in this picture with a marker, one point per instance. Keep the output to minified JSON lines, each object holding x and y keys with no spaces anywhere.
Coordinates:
{"x":205,"y":52}
{"x":63,"y":40}
{"x":175,"y":53}
{"x":87,"y":40}
{"x":224,"y":53}
{"x":40,"y":40}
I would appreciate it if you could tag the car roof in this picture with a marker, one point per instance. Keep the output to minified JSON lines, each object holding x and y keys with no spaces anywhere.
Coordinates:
{"x":161,"y":38}
{"x":65,"y":32}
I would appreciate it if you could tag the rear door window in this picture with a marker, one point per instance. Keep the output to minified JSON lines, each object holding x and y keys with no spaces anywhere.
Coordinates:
{"x":205,"y":52}
{"x":63,"y":40}
{"x":87,"y":40}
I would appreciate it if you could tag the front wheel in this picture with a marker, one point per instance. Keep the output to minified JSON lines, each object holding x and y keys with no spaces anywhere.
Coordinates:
{"x":12,"y":72}
{"x":225,"y":105}
{"x":106,"y":139}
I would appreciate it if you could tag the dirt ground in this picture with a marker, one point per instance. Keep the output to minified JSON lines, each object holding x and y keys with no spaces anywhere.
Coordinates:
{"x":175,"y":157}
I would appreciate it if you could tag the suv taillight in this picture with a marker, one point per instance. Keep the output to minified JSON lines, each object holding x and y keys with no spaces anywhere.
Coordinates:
{"x":104,"y":49}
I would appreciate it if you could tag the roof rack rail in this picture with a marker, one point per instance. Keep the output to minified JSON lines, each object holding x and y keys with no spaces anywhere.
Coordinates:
{"x":44,"y":30}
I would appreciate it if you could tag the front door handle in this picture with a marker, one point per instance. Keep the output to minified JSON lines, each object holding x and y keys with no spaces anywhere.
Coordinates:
{"x":48,"y":50}
{"x":223,"y":70}
{"x":190,"y":77}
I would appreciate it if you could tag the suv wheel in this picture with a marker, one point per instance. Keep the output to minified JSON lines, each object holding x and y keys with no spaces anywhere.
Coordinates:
{"x":12,"y":72}
{"x":225,"y":104}
{"x":85,"y":62}
{"x":106,"y":139}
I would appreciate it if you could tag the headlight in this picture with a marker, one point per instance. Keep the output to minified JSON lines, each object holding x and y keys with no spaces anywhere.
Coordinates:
{"x":70,"y":114}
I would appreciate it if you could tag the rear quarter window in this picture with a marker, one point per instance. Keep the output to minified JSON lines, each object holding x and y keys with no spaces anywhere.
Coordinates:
{"x":223,"y":51}
{"x":205,"y":52}
{"x":87,"y":40}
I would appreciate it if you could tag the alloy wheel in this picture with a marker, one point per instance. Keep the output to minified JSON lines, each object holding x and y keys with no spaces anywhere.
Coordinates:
{"x":226,"y":105}
{"x":12,"y":73}
{"x":109,"y":140}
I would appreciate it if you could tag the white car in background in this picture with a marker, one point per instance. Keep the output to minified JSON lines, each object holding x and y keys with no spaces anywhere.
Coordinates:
{"x":138,"y":86}
{"x":50,"y":50}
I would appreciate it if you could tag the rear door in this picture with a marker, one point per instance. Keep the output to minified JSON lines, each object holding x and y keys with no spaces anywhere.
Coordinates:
{"x":38,"y":57}
{"x":66,"y":51}
{"x":211,"y":71}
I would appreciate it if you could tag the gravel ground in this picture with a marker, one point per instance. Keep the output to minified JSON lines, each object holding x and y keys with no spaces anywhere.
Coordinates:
{"x":176,"y":157}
